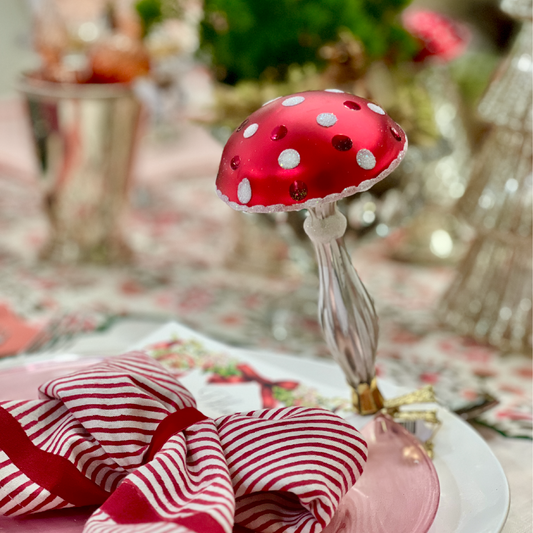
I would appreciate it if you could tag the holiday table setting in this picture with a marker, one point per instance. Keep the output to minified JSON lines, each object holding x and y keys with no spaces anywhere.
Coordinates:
{"x":170,"y":364}
{"x":413,"y":349}
{"x":203,"y":367}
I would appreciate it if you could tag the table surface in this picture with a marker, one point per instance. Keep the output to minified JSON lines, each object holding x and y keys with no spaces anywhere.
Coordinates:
{"x":242,"y":281}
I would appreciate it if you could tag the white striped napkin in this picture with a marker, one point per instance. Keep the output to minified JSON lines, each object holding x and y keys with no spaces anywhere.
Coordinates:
{"x":126,"y":434}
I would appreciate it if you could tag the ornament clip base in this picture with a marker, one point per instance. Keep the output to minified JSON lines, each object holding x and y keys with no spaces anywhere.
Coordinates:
{"x":367,"y":399}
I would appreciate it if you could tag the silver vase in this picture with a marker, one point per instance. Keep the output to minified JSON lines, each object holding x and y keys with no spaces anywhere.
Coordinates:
{"x":85,"y":138}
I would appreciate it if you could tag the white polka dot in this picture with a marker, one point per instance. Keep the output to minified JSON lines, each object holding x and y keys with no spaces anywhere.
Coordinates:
{"x":334,"y":91}
{"x":289,"y":159}
{"x":293,"y":100}
{"x":244,"y":191}
{"x":250,"y":130}
{"x":365,"y":159}
{"x":326,"y":119}
{"x":270,"y":101}
{"x":376,"y":109}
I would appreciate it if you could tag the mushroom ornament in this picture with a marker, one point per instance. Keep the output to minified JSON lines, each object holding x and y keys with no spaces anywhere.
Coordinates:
{"x":306,"y":151}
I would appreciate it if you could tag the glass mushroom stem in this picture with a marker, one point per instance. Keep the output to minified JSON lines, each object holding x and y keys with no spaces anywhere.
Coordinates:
{"x":346,"y":310}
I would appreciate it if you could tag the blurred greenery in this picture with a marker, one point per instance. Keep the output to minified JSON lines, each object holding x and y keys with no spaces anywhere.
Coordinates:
{"x":235,"y":103}
{"x":472,"y":73}
{"x":251,"y":39}
{"x":150,"y":12}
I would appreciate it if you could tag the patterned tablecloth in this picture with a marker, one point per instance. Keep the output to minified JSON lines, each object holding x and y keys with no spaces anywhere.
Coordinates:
{"x":235,"y":278}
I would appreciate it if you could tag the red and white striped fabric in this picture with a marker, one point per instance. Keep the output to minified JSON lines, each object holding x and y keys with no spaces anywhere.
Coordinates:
{"x":126,"y":434}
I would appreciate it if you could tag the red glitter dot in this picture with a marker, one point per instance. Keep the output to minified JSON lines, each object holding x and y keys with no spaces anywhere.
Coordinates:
{"x":350,"y":104}
{"x":341,"y":143}
{"x":395,"y":134}
{"x":243,"y":124}
{"x":298,"y":190}
{"x":278,"y":133}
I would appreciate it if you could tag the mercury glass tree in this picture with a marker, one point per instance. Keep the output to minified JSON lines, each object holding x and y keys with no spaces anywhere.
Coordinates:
{"x":490,"y":297}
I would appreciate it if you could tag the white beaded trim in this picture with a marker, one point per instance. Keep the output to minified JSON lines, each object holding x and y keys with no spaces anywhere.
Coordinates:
{"x":317,"y":201}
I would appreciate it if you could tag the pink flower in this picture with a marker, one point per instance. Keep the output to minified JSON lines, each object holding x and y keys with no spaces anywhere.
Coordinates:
{"x":484,"y":372}
{"x":429,"y":377}
{"x":478,"y":354}
{"x":405,"y":337}
{"x":469,"y":394}
{"x":195,"y":299}
{"x":525,"y":372}
{"x":442,"y":38}
{"x":231,"y":319}
{"x":513,"y":415}
{"x":164,"y":344}
{"x":131,"y":286}
{"x":513,"y":389}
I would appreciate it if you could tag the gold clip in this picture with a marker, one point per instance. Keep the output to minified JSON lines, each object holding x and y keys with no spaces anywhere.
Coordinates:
{"x":412,"y":416}
{"x":423,"y":395}
{"x":367,"y":399}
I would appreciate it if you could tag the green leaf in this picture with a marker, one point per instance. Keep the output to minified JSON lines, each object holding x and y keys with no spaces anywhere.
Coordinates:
{"x":150,"y":12}
{"x":250,"y":39}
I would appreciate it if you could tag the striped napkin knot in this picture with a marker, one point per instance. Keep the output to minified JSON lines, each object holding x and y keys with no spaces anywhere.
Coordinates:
{"x":126,"y":435}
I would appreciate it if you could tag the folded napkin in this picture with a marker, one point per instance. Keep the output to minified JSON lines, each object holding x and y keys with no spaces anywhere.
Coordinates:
{"x":126,"y":435}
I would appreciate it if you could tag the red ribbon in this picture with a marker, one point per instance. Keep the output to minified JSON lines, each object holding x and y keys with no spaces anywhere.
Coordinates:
{"x":169,"y":426}
{"x":52,"y":472}
{"x":248,"y":374}
{"x":58,"y":475}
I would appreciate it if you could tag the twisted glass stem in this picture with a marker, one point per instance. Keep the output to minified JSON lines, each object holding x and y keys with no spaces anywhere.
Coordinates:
{"x":346,"y":310}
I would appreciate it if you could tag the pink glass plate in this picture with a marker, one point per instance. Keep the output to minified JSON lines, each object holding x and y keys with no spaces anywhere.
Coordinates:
{"x":62,"y":521}
{"x":399,"y":490}
{"x":23,"y":381}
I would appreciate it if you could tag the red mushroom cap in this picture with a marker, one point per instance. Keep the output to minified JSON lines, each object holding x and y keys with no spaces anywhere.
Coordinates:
{"x":312,"y":147}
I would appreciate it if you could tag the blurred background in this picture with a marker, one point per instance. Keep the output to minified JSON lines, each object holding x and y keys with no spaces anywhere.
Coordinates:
{"x":113,"y":116}
{"x":493,"y":31}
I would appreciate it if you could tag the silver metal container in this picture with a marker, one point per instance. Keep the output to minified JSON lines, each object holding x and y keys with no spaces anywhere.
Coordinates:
{"x":85,"y":138}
